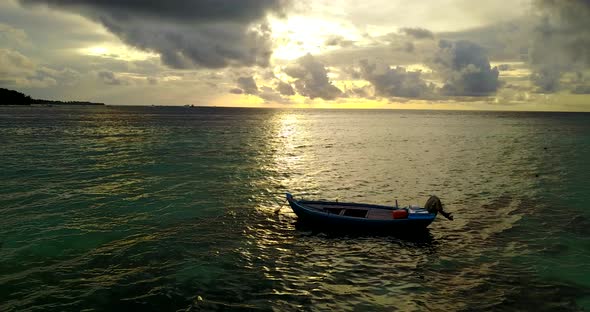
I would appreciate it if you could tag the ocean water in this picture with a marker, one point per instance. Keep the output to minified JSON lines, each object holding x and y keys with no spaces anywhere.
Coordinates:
{"x":182,"y":209}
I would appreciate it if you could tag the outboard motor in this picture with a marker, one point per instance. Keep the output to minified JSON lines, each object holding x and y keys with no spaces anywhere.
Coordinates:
{"x":434,"y":205}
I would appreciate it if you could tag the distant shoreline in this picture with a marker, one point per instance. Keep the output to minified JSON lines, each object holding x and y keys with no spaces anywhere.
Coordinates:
{"x":72,"y":103}
{"x":15,"y":98}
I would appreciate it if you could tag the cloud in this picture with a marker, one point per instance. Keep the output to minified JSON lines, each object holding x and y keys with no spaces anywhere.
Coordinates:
{"x":581,"y":89}
{"x":508,"y":41}
{"x":18,"y":71}
{"x":109,"y":78}
{"x":247,"y":85}
{"x":186,"y":33}
{"x":418,"y":33}
{"x":553,"y":41}
{"x":546,"y":77}
{"x":339,"y":41}
{"x":366,"y":92}
{"x":433,"y":15}
{"x":51,"y":35}
{"x":567,"y":21}
{"x":465,"y":69}
{"x":13,"y":36}
{"x":395,"y":81}
{"x":462,"y":68}
{"x":392,"y":49}
{"x":409,"y":47}
{"x":65,"y":76}
{"x":312,"y":79}
{"x":13,"y":63}
{"x":268,"y":94}
{"x":561,"y":42}
{"x":285,"y":89}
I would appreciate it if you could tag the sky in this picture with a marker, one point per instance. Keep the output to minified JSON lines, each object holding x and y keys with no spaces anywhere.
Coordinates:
{"x":421,"y":54}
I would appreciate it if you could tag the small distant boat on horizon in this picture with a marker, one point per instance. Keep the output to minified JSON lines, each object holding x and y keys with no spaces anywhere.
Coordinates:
{"x":367,"y":216}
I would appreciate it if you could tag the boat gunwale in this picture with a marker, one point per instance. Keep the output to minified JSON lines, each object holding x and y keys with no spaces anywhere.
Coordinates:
{"x":336,"y":203}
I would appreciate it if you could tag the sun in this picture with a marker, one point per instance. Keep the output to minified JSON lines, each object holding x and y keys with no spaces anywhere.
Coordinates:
{"x":298,"y":35}
{"x":96,"y":51}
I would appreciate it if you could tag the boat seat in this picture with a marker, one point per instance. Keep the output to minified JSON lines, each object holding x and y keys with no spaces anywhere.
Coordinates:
{"x":358,"y":213}
{"x":380,"y":214}
{"x":333,"y":210}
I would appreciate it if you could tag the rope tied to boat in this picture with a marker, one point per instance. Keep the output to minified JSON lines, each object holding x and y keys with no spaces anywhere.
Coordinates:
{"x":434,"y":205}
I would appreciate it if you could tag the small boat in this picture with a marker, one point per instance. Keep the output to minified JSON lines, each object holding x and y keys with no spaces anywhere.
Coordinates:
{"x":367,"y":216}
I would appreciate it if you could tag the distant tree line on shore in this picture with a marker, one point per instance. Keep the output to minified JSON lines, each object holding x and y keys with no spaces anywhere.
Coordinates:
{"x":11,"y":97}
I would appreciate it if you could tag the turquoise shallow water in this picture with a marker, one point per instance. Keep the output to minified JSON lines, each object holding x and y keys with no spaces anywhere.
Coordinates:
{"x":165,"y":209}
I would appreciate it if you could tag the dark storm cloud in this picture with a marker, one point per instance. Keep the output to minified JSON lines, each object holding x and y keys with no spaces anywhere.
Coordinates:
{"x":418,"y":33}
{"x":248,"y":85}
{"x":175,"y":10}
{"x":465,"y":69}
{"x":285,"y":89}
{"x":561,"y":42}
{"x":395,"y":82}
{"x":186,"y":33}
{"x":312,"y":79}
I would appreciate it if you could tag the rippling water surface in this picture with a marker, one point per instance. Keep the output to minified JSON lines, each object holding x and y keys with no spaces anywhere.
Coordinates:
{"x":164,"y":209}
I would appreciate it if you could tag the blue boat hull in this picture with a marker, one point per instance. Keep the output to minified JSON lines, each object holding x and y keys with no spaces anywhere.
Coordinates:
{"x":319,"y":218}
